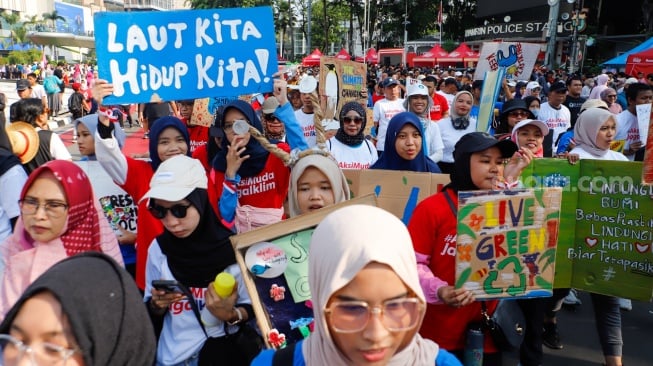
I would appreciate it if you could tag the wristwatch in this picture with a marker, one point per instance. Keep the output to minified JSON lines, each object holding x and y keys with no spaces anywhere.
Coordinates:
{"x":240,"y":317}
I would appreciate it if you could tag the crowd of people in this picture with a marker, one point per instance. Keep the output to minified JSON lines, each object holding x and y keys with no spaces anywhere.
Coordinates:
{"x":382,"y":292}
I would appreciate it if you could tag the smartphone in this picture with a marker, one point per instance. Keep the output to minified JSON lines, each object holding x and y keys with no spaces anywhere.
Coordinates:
{"x":169,"y":286}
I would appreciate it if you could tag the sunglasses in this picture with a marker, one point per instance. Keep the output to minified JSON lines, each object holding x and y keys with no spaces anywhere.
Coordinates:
{"x":179,"y":211}
{"x":356,"y":120}
{"x":518,"y":114}
{"x":270,"y":117}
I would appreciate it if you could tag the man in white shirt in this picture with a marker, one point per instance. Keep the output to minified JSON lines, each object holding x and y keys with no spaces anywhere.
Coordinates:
{"x":38,"y":91}
{"x":449,"y":89}
{"x":304,"y":115}
{"x":627,"y":125}
{"x":385,"y":109}
{"x":556,"y":116}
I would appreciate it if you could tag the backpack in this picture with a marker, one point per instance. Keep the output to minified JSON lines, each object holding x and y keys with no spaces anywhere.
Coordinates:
{"x":75,"y":103}
{"x":51,"y":85}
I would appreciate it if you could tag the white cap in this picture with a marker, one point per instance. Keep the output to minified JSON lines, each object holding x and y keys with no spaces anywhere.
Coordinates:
{"x":308,"y":84}
{"x":541,"y":125}
{"x":421,"y":77}
{"x":533,"y":85}
{"x":631,"y":81}
{"x":416,"y":89}
{"x":176,"y":178}
{"x":457,"y":73}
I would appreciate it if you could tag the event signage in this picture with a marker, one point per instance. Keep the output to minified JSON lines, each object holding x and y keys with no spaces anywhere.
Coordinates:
{"x":529,"y":29}
{"x":186,"y":54}
{"x":516,"y":57}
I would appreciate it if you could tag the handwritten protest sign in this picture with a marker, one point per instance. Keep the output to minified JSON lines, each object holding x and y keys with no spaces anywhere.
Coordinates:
{"x":606,"y":226}
{"x":341,"y":81}
{"x":204,"y":110}
{"x":647,"y":169}
{"x":506,"y":242}
{"x":189,"y":54}
{"x":516,"y":57}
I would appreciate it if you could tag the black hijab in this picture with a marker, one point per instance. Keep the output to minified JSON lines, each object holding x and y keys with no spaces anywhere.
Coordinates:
{"x":103,"y":306}
{"x":341,"y":135}
{"x":258,"y":156}
{"x":198,"y":258}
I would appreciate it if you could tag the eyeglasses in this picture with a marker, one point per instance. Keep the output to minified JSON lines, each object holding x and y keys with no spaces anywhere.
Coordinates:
{"x":179,"y":211}
{"x":14,"y":350}
{"x":356,"y":120}
{"x":353,"y":316}
{"x":270,"y":117}
{"x":518,"y":114}
{"x":611,"y":96}
{"x":53,"y":209}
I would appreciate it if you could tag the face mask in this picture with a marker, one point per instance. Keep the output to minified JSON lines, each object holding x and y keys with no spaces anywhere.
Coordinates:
{"x":535,"y":111}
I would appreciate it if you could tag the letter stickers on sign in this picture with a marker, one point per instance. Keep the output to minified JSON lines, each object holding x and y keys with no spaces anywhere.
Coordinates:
{"x":506,"y":242}
{"x":153,"y":56}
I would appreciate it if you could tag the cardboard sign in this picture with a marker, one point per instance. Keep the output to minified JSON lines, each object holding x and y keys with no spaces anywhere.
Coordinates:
{"x":489,"y":93}
{"x":186,"y":54}
{"x":340,"y":82}
{"x":284,"y":310}
{"x":606,"y":226}
{"x":643,"y":120}
{"x":204,"y":110}
{"x":506,"y":242}
{"x":397,"y":192}
{"x":516,"y":58}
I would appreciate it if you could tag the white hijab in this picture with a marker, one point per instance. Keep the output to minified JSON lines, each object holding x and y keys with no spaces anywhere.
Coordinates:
{"x":342,"y":245}
{"x":587,"y":129}
{"x":328,"y":167}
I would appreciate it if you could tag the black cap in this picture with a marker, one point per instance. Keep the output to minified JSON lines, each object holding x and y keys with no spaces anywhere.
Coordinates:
{"x":389,"y":82}
{"x":479,"y":141}
{"x":558,"y":86}
{"x":22,"y":84}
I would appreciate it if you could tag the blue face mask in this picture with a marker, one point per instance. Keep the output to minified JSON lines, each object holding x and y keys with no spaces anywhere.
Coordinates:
{"x":535,"y":112}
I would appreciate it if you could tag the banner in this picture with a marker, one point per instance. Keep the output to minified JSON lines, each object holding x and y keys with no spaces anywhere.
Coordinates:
{"x":506,"y":242}
{"x":341,"y":81}
{"x":606,"y":225}
{"x":516,"y":57}
{"x":186,"y":54}
{"x":489,"y":93}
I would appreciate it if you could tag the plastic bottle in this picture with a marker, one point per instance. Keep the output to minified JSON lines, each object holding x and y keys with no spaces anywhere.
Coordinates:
{"x":224,"y":285}
{"x":473,"y":348}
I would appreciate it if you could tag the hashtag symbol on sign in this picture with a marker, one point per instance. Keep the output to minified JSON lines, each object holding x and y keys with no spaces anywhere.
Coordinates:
{"x":608,"y":274}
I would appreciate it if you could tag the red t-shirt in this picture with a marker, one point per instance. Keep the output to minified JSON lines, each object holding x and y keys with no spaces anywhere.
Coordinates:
{"x":432,"y":228}
{"x":201,"y":153}
{"x":439,"y":108}
{"x":139,"y":174}
{"x":199,"y":136}
{"x":377,"y":97}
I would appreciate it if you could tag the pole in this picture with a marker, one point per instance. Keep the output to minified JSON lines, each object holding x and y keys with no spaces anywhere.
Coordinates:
{"x":406,"y":22}
{"x":573,"y":50}
{"x":308,"y":29}
{"x":553,"y":30}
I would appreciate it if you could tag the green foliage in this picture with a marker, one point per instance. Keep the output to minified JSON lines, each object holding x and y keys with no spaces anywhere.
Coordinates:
{"x":216,"y":4}
{"x":449,"y":45}
{"x":24,"y":57}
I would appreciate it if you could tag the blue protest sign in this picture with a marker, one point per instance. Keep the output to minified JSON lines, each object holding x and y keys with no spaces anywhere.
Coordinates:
{"x":186,"y":54}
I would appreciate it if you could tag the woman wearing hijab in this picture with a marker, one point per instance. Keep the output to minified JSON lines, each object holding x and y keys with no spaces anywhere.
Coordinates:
{"x":60,"y":217}
{"x":512,"y":112}
{"x":118,"y":206}
{"x":601,"y":84}
{"x":480,"y":165}
{"x":84,"y":310}
{"x":530,"y":133}
{"x":193,"y":248}
{"x":251,"y":182}
{"x":168,"y":137}
{"x":361,"y":259}
{"x":452,"y":128}
{"x":316,"y":181}
{"x":420,"y":102}
{"x":405,"y":146}
{"x":349,"y":146}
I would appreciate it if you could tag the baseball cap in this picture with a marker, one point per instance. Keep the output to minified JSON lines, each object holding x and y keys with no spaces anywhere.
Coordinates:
{"x":532,"y":85}
{"x":22,"y":84}
{"x":631,"y":81}
{"x":308,"y":84}
{"x":479,"y":141}
{"x":558,"y":86}
{"x":457,"y":73}
{"x":176,"y":178}
{"x":541,"y":125}
{"x":387,"y":82}
{"x":593,"y":103}
{"x":421,"y":77}
{"x":416,"y":89}
{"x":270,"y":105}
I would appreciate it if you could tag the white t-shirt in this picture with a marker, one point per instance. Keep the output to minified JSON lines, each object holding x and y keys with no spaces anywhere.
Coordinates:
{"x":450,"y":136}
{"x":11,"y":183}
{"x":305,"y":121}
{"x":433,"y":143}
{"x":353,"y":157}
{"x":448,"y":97}
{"x":38,"y":91}
{"x":610,"y":155}
{"x":558,"y":120}
{"x":384,"y":110}
{"x":627,"y":130}
{"x":182,"y":335}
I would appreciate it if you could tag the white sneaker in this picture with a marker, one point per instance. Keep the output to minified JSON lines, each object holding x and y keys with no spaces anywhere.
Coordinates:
{"x":572,"y":298}
{"x":625,"y":304}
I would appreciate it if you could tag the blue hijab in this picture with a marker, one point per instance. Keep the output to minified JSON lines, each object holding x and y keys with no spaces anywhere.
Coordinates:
{"x":390,"y":160}
{"x":91,"y":121}
{"x":258,"y":156}
{"x":158,"y":127}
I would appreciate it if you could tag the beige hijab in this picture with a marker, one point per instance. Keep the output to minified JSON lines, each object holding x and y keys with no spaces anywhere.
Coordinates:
{"x":587,"y":129}
{"x":328,"y":167}
{"x":342,"y":244}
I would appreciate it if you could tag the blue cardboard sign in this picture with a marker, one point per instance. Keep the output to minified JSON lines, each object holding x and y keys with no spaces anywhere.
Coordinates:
{"x":186,"y":54}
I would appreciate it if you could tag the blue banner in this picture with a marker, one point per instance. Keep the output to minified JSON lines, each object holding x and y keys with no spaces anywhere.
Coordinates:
{"x":186,"y":54}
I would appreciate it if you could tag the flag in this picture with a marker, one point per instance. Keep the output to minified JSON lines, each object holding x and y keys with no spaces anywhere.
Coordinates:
{"x":440,"y":14}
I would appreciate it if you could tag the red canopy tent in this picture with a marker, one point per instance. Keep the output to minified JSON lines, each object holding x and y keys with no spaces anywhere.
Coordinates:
{"x":430,"y":58}
{"x":640,"y":62}
{"x":313,"y":59}
{"x":371,"y":57}
{"x":343,"y":55}
{"x":461,"y":54}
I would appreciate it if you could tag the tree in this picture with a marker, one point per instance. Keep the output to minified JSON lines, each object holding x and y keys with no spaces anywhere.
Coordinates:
{"x":33,"y":21}
{"x":54,"y":16}
{"x":217,"y":4}
{"x":11,"y":19}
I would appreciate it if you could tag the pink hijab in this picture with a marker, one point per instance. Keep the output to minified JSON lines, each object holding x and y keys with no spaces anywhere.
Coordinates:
{"x":86,"y":230}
